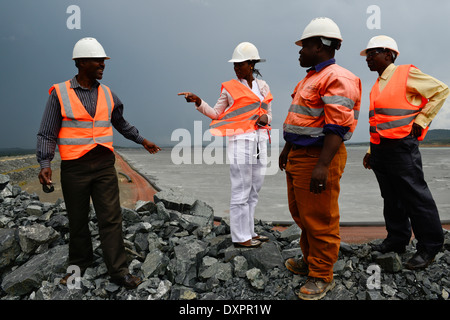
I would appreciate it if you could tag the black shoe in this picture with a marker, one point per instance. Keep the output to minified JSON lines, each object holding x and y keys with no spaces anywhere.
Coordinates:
{"x":420,"y":260}
{"x":387,"y":247}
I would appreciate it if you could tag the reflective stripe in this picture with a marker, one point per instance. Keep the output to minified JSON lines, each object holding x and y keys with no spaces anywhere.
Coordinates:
{"x":313,"y":112}
{"x":348,"y":135}
{"x":225,"y":122}
{"x":373,"y":129}
{"x":371,"y":113}
{"x":309,"y":131}
{"x":76,"y":124}
{"x":108,"y":100}
{"x":343,"y":101}
{"x":395,"y":112}
{"x":104,"y":139}
{"x":83,"y":141}
{"x":395,"y":123}
{"x":240,"y":111}
{"x":103,"y":124}
{"x":65,"y":100}
{"x":265,"y":106}
{"x":84,"y":124}
{"x":356,"y":114}
{"x":75,"y":141}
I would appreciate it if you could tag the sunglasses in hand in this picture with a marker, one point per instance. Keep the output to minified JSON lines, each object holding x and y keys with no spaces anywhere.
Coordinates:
{"x":47,"y":188}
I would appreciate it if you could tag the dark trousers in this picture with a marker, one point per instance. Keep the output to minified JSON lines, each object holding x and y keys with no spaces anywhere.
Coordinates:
{"x":408,"y":202}
{"x":94,"y":176}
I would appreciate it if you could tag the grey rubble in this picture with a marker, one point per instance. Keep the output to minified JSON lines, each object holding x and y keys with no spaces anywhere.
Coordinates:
{"x":174,"y":245}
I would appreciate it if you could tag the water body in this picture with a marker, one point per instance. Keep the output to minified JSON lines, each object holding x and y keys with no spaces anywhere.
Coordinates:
{"x":360,"y":200}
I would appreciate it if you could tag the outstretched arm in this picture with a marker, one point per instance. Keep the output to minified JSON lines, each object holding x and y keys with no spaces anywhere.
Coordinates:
{"x":150,"y":146}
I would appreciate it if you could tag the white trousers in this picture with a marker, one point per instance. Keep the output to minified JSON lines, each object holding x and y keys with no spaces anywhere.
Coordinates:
{"x":248,"y":162}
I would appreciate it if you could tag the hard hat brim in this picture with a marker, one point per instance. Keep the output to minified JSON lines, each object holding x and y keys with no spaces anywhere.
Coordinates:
{"x":242,"y":60}
{"x":363,"y":53}
{"x":106,"y":58}
{"x":300,"y":44}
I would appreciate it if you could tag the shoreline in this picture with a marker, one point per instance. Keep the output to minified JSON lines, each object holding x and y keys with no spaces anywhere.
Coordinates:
{"x":353,"y":234}
{"x":134,"y":187}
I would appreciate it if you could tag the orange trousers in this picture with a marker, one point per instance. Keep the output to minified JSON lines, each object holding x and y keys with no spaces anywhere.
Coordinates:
{"x":317,"y":215}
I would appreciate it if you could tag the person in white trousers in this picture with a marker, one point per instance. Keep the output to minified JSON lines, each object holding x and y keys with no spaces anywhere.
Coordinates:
{"x":247,"y":151}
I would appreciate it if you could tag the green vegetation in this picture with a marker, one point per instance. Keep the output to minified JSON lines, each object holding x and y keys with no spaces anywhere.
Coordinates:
{"x":437,"y":137}
{"x":6,"y":152}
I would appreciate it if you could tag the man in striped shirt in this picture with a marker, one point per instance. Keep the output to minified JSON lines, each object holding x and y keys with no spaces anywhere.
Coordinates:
{"x":87,"y":168}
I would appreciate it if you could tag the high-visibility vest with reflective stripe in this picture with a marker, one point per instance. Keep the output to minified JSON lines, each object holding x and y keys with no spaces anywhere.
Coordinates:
{"x":79,"y":132}
{"x":319,"y":90}
{"x":391,"y":115}
{"x":241,"y":117}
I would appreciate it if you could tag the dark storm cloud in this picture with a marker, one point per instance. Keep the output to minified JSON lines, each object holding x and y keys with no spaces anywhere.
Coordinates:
{"x":159,"y":48}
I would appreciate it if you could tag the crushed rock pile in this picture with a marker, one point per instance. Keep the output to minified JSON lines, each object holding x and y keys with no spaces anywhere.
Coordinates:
{"x":180,"y":252}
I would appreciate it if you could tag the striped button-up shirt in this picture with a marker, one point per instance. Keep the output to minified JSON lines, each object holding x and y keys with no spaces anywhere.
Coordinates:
{"x":52,"y":118}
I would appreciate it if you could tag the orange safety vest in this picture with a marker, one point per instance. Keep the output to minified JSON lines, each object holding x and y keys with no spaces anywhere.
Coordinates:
{"x":241,"y":117}
{"x":320,"y":99}
{"x":79,"y":132}
{"x":391,"y":115}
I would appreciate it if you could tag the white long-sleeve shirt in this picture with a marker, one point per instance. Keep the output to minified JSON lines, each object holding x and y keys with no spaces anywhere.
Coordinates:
{"x":225,"y":101}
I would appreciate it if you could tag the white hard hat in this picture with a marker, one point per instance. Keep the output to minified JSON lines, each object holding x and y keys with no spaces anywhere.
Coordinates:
{"x":245,"y":51}
{"x":381,"y":42}
{"x":321,"y":27}
{"x":88,"y":48}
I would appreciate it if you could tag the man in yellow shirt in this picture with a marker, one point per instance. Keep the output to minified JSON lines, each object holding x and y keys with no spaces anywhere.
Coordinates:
{"x":403,"y":102}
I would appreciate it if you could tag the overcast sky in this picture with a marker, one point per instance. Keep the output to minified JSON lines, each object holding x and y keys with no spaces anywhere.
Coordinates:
{"x":161,"y":47}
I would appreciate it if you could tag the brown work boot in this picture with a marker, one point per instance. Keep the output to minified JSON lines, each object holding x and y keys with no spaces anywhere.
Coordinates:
{"x":315,"y":289}
{"x":128,"y":281}
{"x":297,"y":266}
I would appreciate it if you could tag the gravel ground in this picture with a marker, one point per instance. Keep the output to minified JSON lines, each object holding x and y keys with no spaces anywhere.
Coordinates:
{"x":360,"y":272}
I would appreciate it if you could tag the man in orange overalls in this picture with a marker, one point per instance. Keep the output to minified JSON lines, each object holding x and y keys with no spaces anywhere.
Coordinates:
{"x":322,"y":115}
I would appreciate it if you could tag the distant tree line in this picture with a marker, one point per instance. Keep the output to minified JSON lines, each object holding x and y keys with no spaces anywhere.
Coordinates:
{"x":437,"y":137}
{"x":434,"y":137}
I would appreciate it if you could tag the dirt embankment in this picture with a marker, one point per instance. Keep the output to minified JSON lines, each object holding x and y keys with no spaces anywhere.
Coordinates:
{"x":23,"y":171}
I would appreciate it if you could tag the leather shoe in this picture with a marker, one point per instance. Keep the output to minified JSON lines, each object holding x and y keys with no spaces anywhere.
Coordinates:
{"x":385,"y":247}
{"x":64,"y":279}
{"x":261,"y":238}
{"x":128,"y":281}
{"x":248,"y":244}
{"x":420,"y":260}
{"x":315,"y":289}
{"x":297,"y":266}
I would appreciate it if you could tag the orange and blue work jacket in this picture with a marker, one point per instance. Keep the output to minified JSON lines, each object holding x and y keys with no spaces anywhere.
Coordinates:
{"x":241,"y":117}
{"x":80,"y":132}
{"x":327,"y":100}
{"x":391,"y":115}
